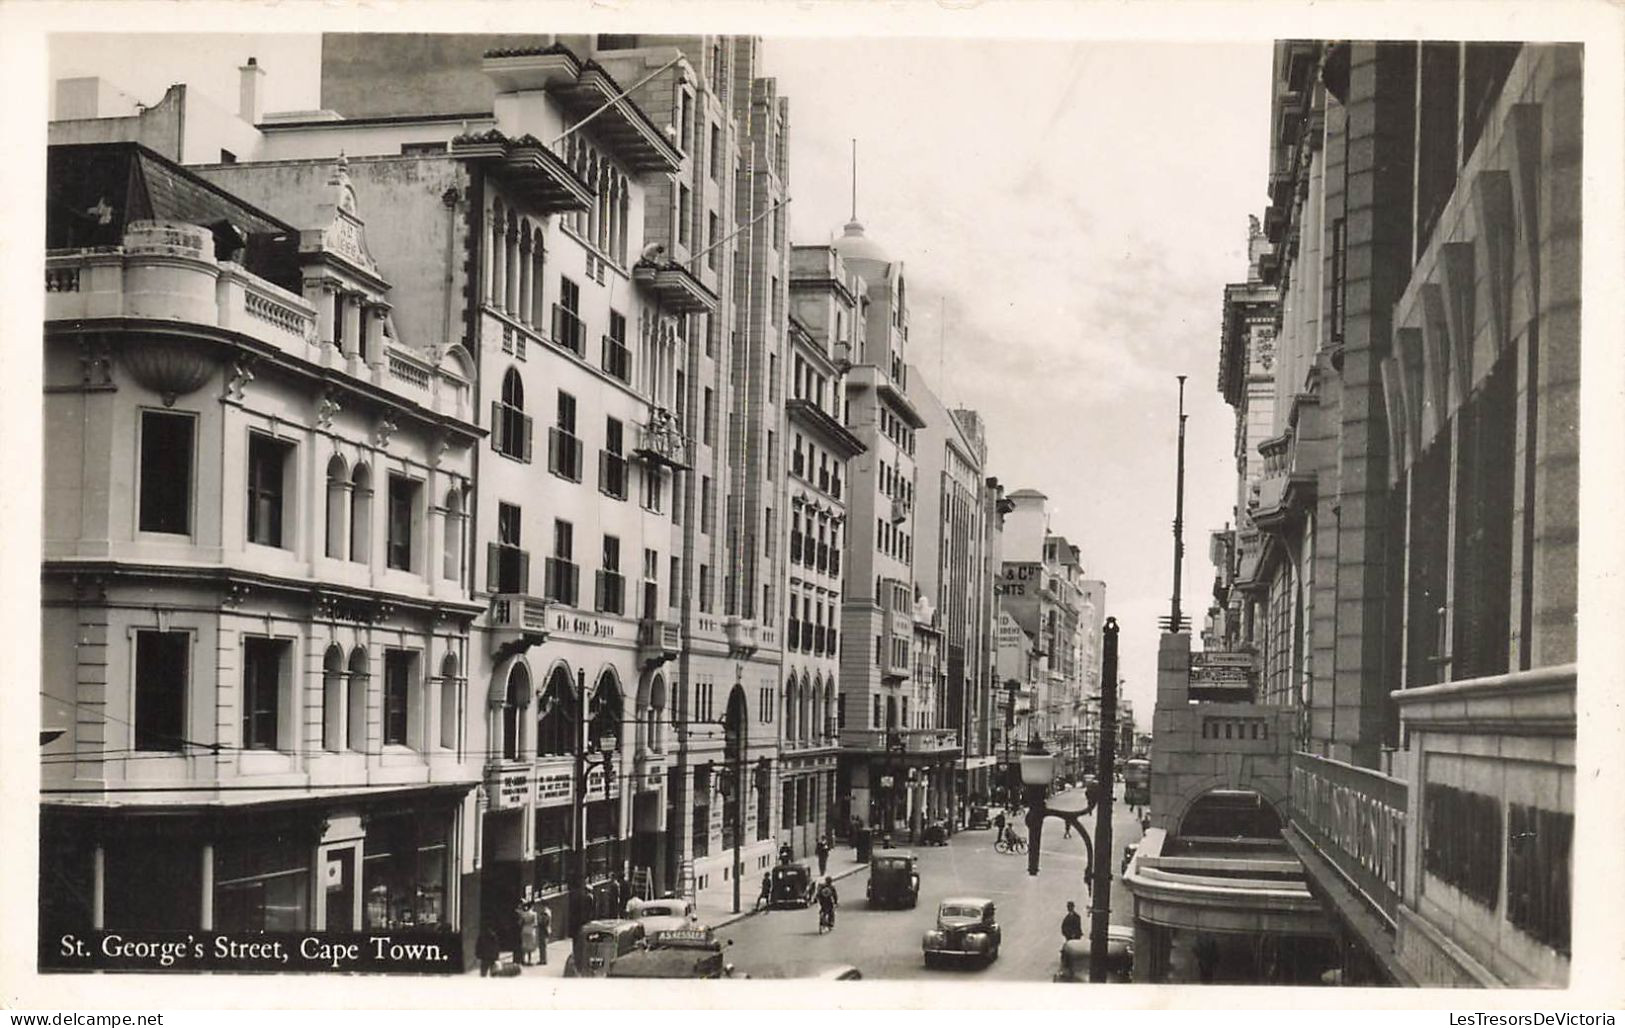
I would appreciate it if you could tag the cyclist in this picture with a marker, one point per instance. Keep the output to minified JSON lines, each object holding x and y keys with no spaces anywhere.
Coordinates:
{"x":827,"y":901}
{"x":1010,"y":837}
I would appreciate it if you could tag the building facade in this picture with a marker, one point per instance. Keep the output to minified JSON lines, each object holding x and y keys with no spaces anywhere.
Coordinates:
{"x":257,"y":605}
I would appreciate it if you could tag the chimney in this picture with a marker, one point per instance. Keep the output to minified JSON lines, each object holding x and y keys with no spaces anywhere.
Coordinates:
{"x":250,"y":102}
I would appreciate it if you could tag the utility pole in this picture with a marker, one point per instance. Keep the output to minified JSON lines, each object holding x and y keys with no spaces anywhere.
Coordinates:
{"x":1100,"y":917}
{"x":1176,"y":620}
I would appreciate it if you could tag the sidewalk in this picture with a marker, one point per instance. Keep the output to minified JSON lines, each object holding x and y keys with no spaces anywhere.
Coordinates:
{"x":714,"y":906}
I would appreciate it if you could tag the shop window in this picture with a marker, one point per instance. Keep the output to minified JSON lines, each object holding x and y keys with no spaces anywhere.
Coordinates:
{"x":556,"y":717}
{"x":160,"y":690}
{"x":149,"y":884}
{"x":555,"y":856}
{"x":405,"y":871}
{"x":166,"y":472}
{"x":262,"y":884}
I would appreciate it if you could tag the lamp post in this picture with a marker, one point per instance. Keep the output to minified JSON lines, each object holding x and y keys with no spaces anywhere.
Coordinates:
{"x":1038,"y":771}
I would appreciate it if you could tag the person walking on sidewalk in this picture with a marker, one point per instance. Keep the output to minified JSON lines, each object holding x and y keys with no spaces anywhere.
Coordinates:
{"x":528,"y":942}
{"x":1072,"y":923}
{"x":487,"y":949}
{"x":822,"y":850}
{"x":544,"y":929}
{"x":765,"y":900}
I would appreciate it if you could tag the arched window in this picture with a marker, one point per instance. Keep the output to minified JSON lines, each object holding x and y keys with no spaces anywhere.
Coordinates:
{"x":521,"y":303}
{"x":891,"y":712}
{"x":537,"y":262}
{"x":333,"y":699}
{"x":829,"y":711}
{"x":338,"y":488}
{"x":556,"y":716}
{"x":513,"y":701}
{"x":510,"y":259}
{"x":356,"y":701}
{"x":790,"y":709}
{"x":513,"y":426}
{"x":804,"y":713}
{"x":604,"y":714}
{"x":451,"y":690}
{"x":735,"y":727}
{"x":657,"y":715}
{"x":361,"y":514}
{"x":454,"y":534}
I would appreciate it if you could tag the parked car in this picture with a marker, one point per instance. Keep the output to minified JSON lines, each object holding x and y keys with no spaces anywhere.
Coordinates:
{"x":1119,"y":957}
{"x":979,"y":817}
{"x":659,"y":915}
{"x":934,"y":834}
{"x":600,"y":943}
{"x":967,"y":928}
{"x":790,"y":886}
{"x":677,"y":953}
{"x":894,"y":879}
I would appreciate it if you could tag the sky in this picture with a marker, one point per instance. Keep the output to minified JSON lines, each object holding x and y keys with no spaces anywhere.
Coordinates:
{"x":1068,"y":213}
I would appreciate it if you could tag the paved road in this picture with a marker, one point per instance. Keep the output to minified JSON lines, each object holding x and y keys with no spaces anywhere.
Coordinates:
{"x":886,"y":943}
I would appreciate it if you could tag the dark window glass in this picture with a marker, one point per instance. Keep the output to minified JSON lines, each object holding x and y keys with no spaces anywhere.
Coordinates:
{"x":160,"y":689}
{"x":397,"y":696}
{"x":403,"y":494}
{"x":262,"y":680}
{"x":266,"y":461}
{"x":166,"y":472}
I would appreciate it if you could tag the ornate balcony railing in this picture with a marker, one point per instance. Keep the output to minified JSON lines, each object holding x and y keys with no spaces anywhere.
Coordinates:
{"x":1357,"y":819}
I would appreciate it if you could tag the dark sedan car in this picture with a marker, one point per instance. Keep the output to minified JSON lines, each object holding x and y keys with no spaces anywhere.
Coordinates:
{"x":967,"y":929}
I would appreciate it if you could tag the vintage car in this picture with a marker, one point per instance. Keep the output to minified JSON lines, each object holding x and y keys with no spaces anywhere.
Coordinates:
{"x":979,"y":817}
{"x":1119,"y":957}
{"x":894,"y":879}
{"x":600,"y":943}
{"x":790,"y":887}
{"x":967,"y":929}
{"x":934,"y":834}
{"x":659,"y":915}
{"x":677,"y":953}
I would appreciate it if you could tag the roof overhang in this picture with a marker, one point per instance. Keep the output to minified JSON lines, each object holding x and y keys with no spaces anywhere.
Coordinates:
{"x":537,"y":176}
{"x":621,"y":125}
{"x":807,"y":413}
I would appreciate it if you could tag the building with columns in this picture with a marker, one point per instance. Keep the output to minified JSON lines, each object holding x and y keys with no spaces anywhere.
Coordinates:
{"x":258,"y":711}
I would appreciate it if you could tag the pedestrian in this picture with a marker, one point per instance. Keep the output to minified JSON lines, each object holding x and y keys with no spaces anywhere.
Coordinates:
{"x":1071,"y":924}
{"x":765,"y":898}
{"x":528,"y":926}
{"x":1145,"y":822}
{"x":998,"y":826}
{"x":487,"y":949}
{"x":786,"y":854}
{"x":544,"y":929}
{"x":1068,"y":833}
{"x":622,"y":890}
{"x":822,"y":850}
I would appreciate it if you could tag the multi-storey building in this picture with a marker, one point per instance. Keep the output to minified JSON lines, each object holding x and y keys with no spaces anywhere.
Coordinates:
{"x":1417,"y":511}
{"x":824,"y":326}
{"x":984,"y":734}
{"x":259,"y":711}
{"x":1247,"y":382}
{"x":952,"y":570}
{"x":876,"y":612}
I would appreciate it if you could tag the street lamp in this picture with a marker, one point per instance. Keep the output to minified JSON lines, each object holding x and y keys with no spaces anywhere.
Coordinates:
{"x":1038,"y":770}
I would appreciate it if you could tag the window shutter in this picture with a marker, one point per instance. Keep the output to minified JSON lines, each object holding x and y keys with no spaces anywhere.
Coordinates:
{"x":493,"y":567}
{"x":523,"y":585}
{"x":497,"y":442}
{"x":527,"y":447}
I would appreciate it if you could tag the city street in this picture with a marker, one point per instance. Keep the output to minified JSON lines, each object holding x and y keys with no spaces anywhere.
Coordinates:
{"x":886,"y":943}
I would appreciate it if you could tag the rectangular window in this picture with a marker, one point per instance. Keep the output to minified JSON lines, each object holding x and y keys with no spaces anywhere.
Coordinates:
{"x":684,"y":205}
{"x":563,"y":577}
{"x":267,"y":471}
{"x":651,"y":584}
{"x":263,"y":661}
{"x":708,"y":417}
{"x":509,"y":570}
{"x":716,"y":153}
{"x":568,"y":329}
{"x":711,"y":238}
{"x":166,"y":472}
{"x":617,"y":359}
{"x":563,"y":446}
{"x":398,"y":668}
{"x":160,"y":689}
{"x":403,"y":502}
{"x":611,"y":462}
{"x":706,"y":518}
{"x":705,"y":589}
{"x":611,"y":583}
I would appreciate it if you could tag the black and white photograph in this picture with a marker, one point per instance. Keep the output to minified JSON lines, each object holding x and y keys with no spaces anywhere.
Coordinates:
{"x":985,"y":511}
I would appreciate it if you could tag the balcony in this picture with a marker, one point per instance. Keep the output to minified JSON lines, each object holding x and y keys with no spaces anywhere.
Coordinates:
{"x":661,"y":441}
{"x":1352,"y":821}
{"x":901,"y":507}
{"x":517,"y":622}
{"x":675,"y":287}
{"x":507,"y":568}
{"x":529,"y":171}
{"x":1283,"y":494}
{"x":741,"y":635}
{"x":658,"y":642}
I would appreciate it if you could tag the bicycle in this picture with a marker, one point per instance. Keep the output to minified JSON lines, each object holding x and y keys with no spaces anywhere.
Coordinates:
{"x":1014,"y":844}
{"x":826,"y":920}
